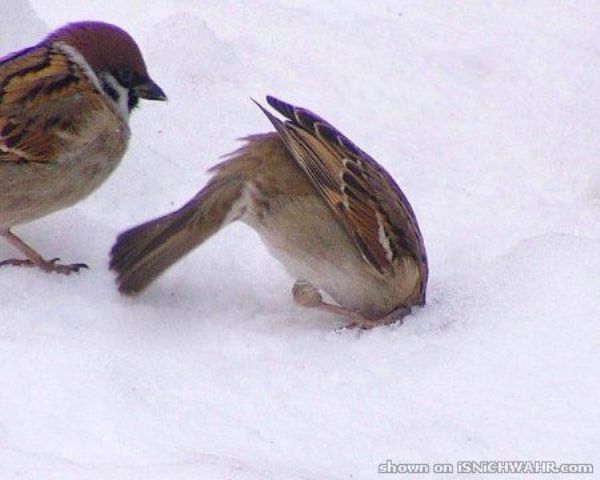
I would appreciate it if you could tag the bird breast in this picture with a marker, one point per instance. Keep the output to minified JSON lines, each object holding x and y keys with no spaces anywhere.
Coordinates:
{"x":32,"y":190}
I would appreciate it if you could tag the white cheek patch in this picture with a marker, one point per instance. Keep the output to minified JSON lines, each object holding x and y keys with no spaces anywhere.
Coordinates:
{"x":122,"y":103}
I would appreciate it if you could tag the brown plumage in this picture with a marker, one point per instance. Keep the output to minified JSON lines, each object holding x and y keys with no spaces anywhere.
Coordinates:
{"x":333,"y":216}
{"x":64,"y":112}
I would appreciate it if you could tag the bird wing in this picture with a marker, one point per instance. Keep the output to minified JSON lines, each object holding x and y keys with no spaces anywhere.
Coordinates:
{"x":363,"y":196}
{"x":32,"y":128}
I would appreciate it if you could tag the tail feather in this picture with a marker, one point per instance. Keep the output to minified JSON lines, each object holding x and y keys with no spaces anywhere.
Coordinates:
{"x":142,"y":253}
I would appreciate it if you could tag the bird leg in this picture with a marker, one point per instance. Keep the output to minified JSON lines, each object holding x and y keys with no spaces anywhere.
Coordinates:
{"x":34,"y":259}
{"x":306,"y":295}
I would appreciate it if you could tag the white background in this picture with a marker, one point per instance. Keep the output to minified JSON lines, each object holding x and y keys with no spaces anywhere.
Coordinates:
{"x":486,"y":113}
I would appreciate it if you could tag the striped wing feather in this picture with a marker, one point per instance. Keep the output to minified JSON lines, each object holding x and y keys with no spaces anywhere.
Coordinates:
{"x":362,"y":195}
{"x":32,"y":130}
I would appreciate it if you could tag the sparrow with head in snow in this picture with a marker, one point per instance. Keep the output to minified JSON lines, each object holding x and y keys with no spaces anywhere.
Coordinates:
{"x":64,"y":114}
{"x":327,"y":210}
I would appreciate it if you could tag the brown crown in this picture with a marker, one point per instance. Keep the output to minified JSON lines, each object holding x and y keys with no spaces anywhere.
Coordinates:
{"x":104,"y":46}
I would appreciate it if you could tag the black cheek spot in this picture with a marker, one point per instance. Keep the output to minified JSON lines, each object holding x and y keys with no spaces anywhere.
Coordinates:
{"x":110,"y":91}
{"x":132,"y":100}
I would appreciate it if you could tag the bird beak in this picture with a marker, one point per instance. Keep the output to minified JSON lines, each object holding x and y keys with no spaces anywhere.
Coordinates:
{"x":150,"y":91}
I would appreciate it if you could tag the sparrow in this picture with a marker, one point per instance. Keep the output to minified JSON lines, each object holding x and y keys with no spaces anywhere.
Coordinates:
{"x":333,"y":217}
{"x":64,"y":115}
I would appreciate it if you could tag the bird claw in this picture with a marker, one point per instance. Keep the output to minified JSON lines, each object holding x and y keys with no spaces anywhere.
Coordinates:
{"x":15,"y":262}
{"x":67,"y":269}
{"x":46,"y":265}
{"x":362,"y":323}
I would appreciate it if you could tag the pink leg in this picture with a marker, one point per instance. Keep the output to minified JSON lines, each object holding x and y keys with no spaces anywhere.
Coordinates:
{"x":307,"y":295}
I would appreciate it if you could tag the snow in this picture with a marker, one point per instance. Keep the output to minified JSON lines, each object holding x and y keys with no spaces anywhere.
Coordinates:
{"x":487,"y":115}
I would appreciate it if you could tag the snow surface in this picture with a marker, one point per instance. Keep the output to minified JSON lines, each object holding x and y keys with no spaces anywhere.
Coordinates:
{"x":486,"y":113}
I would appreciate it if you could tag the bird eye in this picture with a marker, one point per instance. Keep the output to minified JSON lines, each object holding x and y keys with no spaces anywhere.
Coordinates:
{"x":125,"y":76}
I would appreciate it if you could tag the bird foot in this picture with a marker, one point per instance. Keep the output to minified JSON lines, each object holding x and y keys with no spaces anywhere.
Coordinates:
{"x":360,"y":322}
{"x":46,"y":265}
{"x":364,"y":323}
{"x":306,"y":295}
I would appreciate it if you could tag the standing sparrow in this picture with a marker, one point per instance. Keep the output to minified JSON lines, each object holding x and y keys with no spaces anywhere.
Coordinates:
{"x":64,"y":114}
{"x":331,"y":214}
